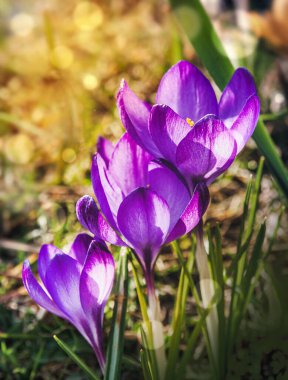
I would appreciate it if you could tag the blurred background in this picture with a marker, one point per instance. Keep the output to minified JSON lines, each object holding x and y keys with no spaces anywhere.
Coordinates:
{"x":61,"y":63}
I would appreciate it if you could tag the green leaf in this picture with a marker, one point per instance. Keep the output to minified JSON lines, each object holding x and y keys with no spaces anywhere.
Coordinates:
{"x":116,"y":339}
{"x":178,"y":319}
{"x":76,"y":359}
{"x":147,"y":336}
{"x":195,"y":22}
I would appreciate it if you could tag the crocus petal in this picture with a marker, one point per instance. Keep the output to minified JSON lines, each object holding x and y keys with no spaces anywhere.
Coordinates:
{"x":108,"y":194}
{"x":46,"y":254}
{"x":167,"y":129}
{"x":244,"y":126}
{"x":144,"y":220}
{"x":97,"y":277}
{"x":207,"y":150}
{"x":79,"y":247}
{"x":192,"y":214}
{"x":36,"y":292}
{"x":128,"y":165}
{"x":187,"y":91}
{"x":91,"y":218}
{"x":134,"y":114}
{"x":105,"y":149}
{"x":240,"y":87}
{"x":62,"y":282}
{"x":169,"y":185}
{"x":96,"y":283}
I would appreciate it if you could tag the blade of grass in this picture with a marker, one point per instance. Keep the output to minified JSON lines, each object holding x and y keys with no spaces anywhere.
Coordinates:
{"x":195,"y":294}
{"x":178,"y":318}
{"x":116,"y":339}
{"x":76,"y":359}
{"x":148,"y":343}
{"x":36,"y":362}
{"x":195,"y":22}
{"x":215,"y":251}
{"x":191,"y":345}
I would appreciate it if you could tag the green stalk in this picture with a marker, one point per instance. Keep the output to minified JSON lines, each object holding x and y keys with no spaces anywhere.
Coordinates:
{"x":116,"y":339}
{"x":195,"y":294}
{"x":178,"y":319}
{"x":149,"y":354}
{"x":195,"y":22}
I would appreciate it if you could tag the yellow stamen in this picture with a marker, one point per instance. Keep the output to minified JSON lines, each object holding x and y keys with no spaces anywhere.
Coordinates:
{"x":190,"y":122}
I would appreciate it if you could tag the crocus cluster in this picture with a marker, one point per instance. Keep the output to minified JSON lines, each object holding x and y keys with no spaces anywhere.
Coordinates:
{"x":151,"y":189}
{"x":146,"y":203}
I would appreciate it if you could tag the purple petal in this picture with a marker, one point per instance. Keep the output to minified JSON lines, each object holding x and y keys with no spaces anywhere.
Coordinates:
{"x":135,"y":115}
{"x":244,"y":126}
{"x":97,"y":277}
{"x":168,"y":184}
{"x":62,"y":282}
{"x":235,"y":95}
{"x":36,"y":292}
{"x":207,"y":150}
{"x":192,"y":214}
{"x":79,"y":248}
{"x":91,"y":218}
{"x":167,"y":129}
{"x":187,"y":91}
{"x":46,"y":254}
{"x":105,"y":149}
{"x":144,"y":220}
{"x":96,"y":283}
{"x":108,"y":194}
{"x":129,"y":165}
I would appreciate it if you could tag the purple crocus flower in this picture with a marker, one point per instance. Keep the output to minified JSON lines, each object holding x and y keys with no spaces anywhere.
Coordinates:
{"x":75,"y":286}
{"x":187,"y":126}
{"x":145,"y":203}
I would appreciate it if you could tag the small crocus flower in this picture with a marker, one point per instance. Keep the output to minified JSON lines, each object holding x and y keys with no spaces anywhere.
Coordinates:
{"x":187,"y":126}
{"x":75,"y":286}
{"x":145,"y":203}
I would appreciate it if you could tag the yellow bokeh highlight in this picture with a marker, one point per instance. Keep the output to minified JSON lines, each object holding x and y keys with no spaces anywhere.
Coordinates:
{"x":87,"y":16}
{"x":90,"y":82}
{"x":69,"y":155}
{"x":22,"y":24}
{"x":62,"y":57}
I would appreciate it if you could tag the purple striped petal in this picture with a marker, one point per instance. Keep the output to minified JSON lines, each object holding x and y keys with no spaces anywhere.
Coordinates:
{"x":91,"y":218}
{"x":79,"y":247}
{"x":187,"y":91}
{"x":168,"y":184}
{"x":245,"y":124}
{"x":144,"y":220}
{"x":135,"y":115}
{"x":128,"y":165}
{"x":240,"y":87}
{"x":36,"y":292}
{"x":62,"y":282}
{"x":192,"y":214}
{"x":108,"y":194}
{"x":105,"y":149}
{"x":167,"y":129}
{"x":96,"y":283}
{"x":207,"y":150}
{"x":97,"y":277}
{"x":46,"y":254}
